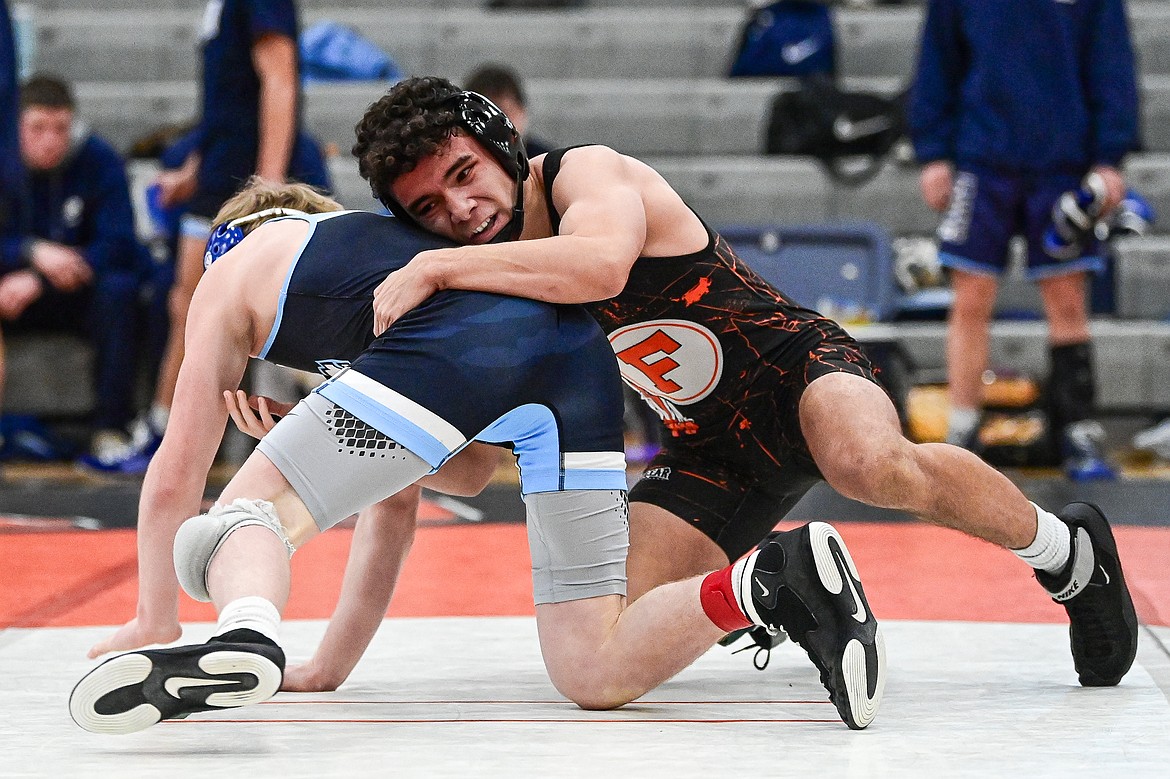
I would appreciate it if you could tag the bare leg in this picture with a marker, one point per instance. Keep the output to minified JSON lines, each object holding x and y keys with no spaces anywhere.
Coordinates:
{"x":664,"y":548}
{"x":1066,"y":309}
{"x":853,"y":433}
{"x":601,"y":654}
{"x":967,"y":337}
{"x":252,"y":560}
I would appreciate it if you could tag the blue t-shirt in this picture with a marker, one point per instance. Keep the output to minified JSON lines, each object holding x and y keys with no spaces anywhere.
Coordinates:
{"x":231,"y":86}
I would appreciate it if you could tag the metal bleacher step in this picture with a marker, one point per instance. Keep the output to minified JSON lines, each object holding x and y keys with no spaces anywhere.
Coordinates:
{"x":1131,"y":362}
{"x":154,"y":42}
{"x":1143,"y":278}
{"x":762,"y":190}
{"x":640,"y":116}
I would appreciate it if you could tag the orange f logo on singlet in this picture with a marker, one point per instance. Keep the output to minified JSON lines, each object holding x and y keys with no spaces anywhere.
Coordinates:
{"x":635,"y":356}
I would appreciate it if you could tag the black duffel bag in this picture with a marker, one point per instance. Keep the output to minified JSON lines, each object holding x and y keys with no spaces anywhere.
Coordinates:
{"x":850,"y":132}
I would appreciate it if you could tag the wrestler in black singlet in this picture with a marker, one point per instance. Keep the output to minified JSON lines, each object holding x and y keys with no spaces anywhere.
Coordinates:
{"x":723,"y":357}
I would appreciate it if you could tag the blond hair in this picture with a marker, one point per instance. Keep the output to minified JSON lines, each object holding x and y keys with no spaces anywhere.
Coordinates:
{"x":259,"y":195}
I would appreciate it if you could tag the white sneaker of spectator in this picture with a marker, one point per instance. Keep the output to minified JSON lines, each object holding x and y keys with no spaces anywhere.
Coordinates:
{"x":1156,"y":440}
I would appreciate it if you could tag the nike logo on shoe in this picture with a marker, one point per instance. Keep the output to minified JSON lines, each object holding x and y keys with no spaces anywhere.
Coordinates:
{"x":1083,"y":566}
{"x":176,"y":684}
{"x":859,"y":612}
{"x":764,"y":591}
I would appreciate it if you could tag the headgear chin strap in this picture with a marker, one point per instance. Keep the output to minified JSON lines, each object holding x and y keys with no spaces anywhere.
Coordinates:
{"x":491,"y":127}
{"x":225,"y":236}
{"x":512,"y":230}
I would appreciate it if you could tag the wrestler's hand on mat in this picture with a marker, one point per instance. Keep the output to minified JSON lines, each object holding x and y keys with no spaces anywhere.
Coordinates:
{"x":306,"y":677}
{"x":134,"y":634}
{"x":403,"y":290}
{"x":254,"y":414}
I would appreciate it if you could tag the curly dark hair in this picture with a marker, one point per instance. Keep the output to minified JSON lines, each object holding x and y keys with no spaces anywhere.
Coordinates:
{"x":408,"y":123}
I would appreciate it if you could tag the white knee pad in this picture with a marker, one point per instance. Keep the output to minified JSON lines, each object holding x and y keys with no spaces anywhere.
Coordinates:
{"x":199,"y":538}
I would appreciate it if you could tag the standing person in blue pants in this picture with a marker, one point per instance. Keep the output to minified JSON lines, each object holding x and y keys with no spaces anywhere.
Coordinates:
{"x":249,"y":125}
{"x":1014,"y":104}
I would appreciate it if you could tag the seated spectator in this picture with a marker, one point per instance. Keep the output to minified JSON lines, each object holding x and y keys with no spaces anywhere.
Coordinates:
{"x":69,"y":258}
{"x":502,"y":86}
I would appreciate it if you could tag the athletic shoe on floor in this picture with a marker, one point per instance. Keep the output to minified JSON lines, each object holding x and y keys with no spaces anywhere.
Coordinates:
{"x":1103,"y":628}
{"x":1155,"y":439}
{"x":130,"y":459}
{"x":136,"y":690}
{"x":1083,"y":447}
{"x":804,"y":582}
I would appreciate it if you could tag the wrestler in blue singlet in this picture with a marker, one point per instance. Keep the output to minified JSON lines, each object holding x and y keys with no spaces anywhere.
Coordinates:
{"x":461,"y":366}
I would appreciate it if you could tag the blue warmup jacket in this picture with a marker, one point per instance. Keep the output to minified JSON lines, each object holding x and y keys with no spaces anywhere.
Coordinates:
{"x":84,"y":203}
{"x":1025,"y":86}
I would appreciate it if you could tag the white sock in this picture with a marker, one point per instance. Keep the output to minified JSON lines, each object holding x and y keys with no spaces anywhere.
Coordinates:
{"x":1052,"y":547}
{"x":961,"y":423}
{"x":251,"y":612}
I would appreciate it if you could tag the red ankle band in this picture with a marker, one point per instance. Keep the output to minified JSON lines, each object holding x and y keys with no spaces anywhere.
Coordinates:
{"x":718,"y":601}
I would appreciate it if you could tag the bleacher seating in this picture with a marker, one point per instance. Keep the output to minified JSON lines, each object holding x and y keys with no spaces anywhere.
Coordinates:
{"x":646,"y":77}
{"x":666,"y":41}
{"x":642,"y":116}
{"x":1132,"y":358}
{"x":844,"y":270}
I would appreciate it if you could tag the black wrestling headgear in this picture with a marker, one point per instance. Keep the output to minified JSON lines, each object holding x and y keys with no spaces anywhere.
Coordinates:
{"x":492,"y":128}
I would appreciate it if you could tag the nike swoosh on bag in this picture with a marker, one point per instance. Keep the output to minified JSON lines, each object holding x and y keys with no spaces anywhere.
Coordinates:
{"x":845,"y":129}
{"x":796,"y":53}
{"x":176,"y":684}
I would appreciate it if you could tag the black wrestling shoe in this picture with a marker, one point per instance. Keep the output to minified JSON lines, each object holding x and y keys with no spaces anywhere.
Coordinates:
{"x":136,"y":690}
{"x":1103,"y":627}
{"x":804,"y":582}
{"x":764,"y":640}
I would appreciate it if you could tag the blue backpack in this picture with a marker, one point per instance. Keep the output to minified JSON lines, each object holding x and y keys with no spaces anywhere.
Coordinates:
{"x":787,"y":38}
{"x":333,"y":52}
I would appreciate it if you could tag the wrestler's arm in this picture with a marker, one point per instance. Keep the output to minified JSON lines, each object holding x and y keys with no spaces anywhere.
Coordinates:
{"x":602,"y":234}
{"x":218,"y":338}
{"x":381,"y":540}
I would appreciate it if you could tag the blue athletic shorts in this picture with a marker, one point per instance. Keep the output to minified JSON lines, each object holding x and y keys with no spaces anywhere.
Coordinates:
{"x":988,"y":208}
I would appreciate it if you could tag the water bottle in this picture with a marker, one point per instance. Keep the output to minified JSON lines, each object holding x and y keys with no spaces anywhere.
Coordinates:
{"x":1074,"y":218}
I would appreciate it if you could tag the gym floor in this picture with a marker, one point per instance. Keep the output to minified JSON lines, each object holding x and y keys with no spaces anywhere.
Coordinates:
{"x":980,"y":681}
